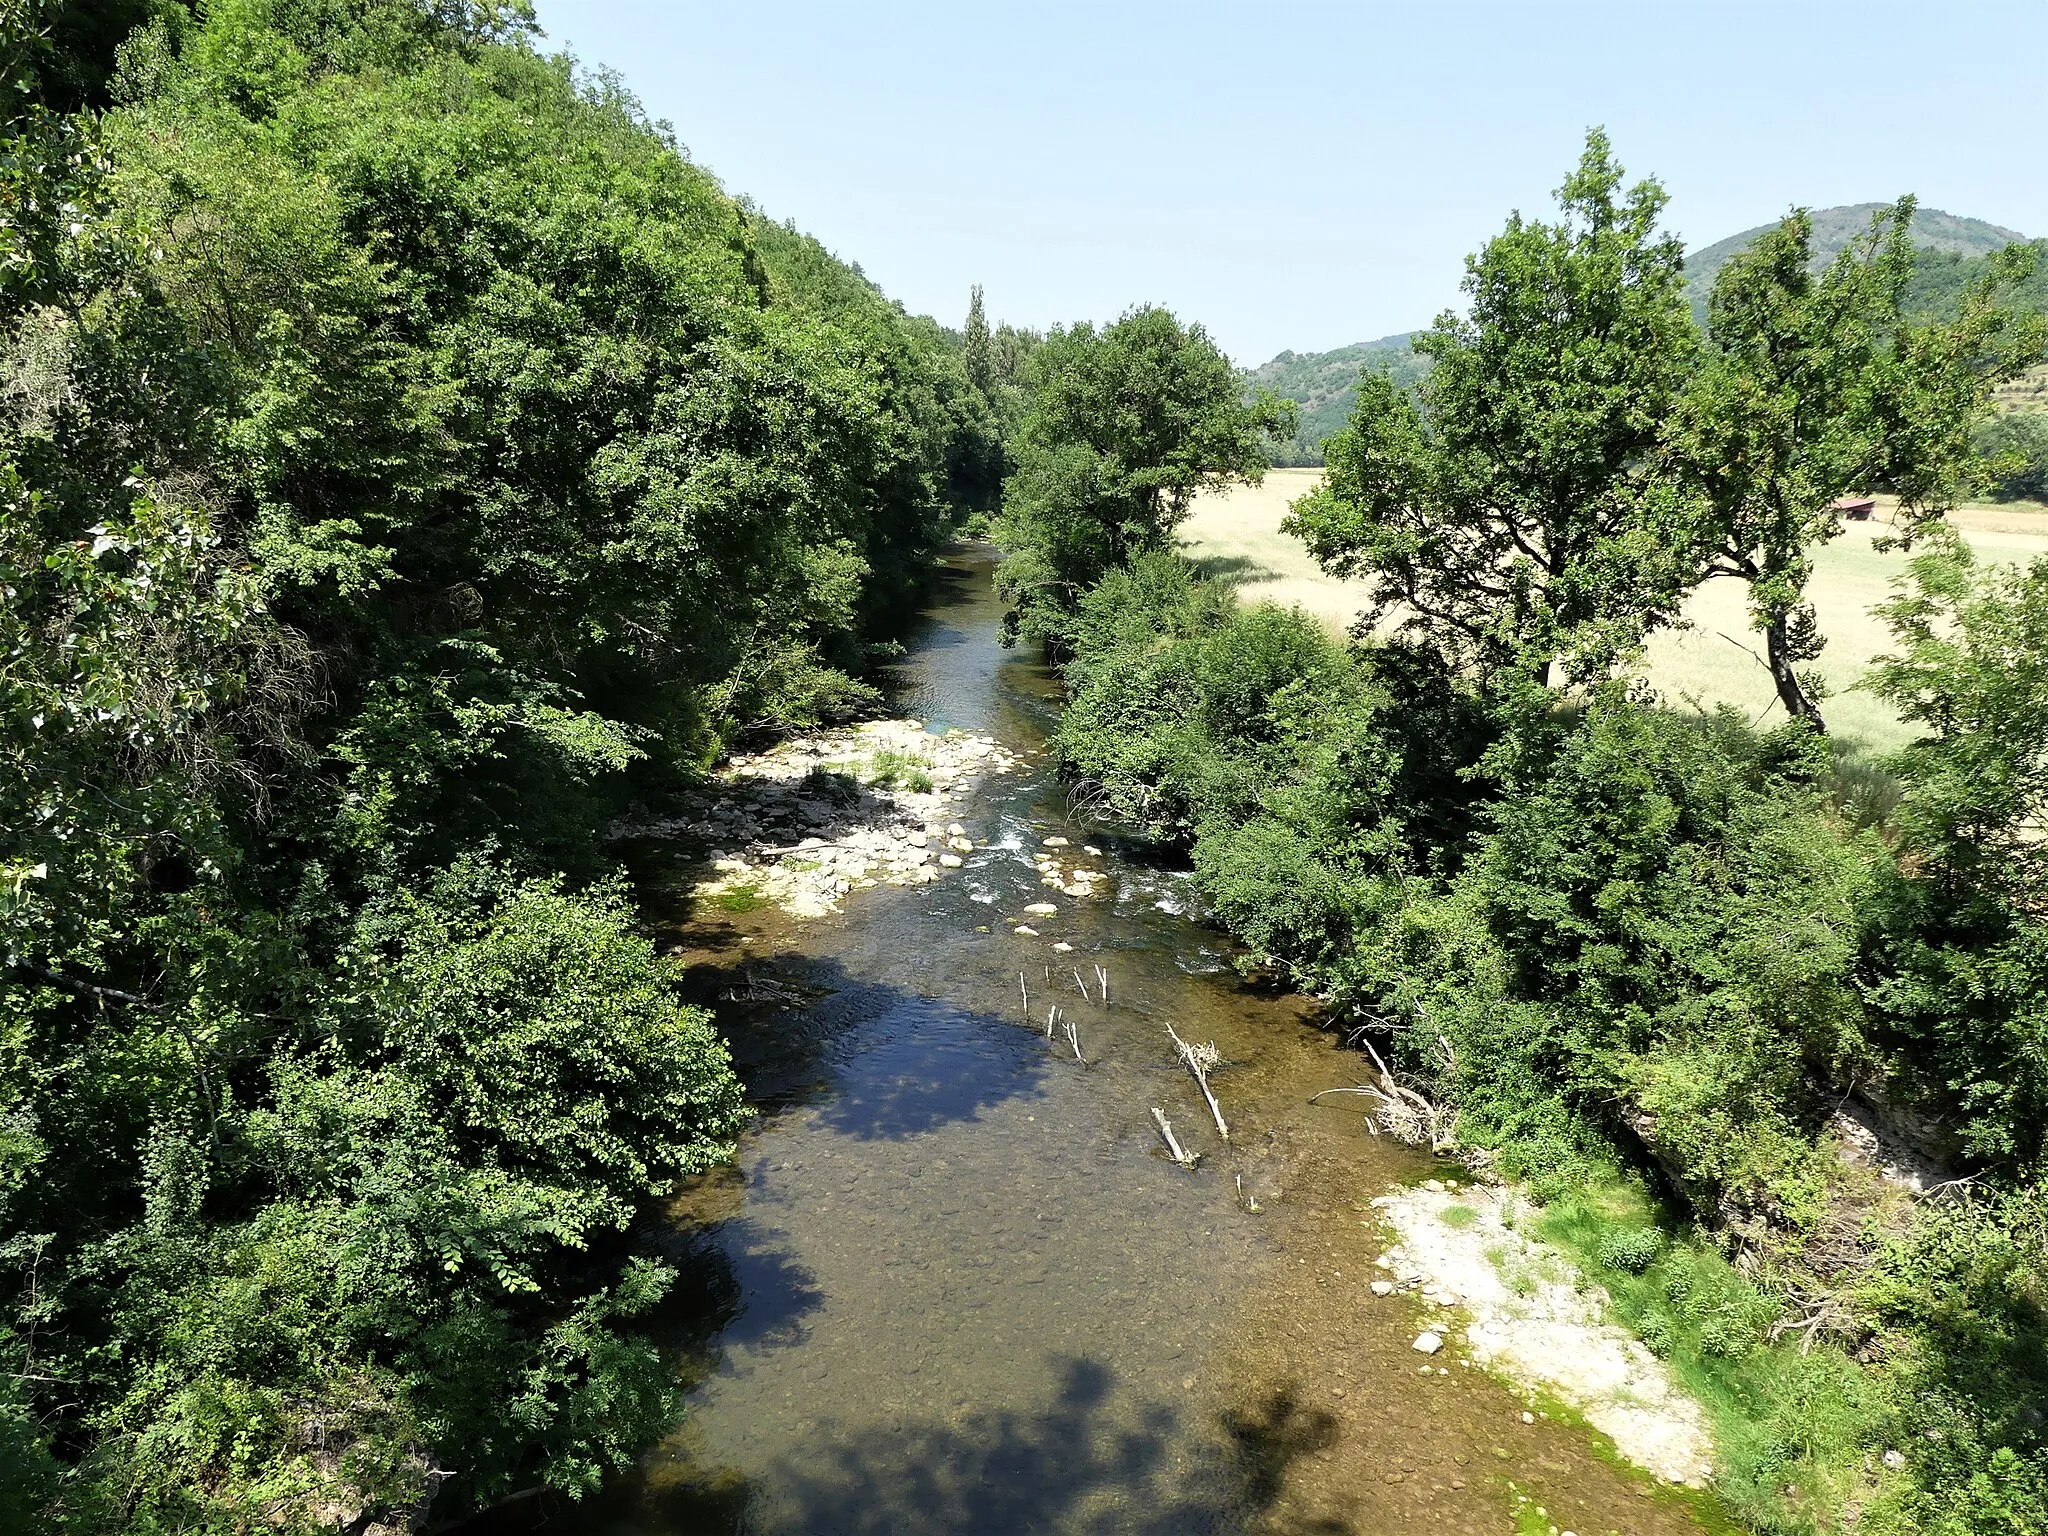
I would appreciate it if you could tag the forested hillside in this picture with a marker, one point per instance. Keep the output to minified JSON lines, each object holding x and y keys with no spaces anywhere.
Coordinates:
{"x":1946,"y":234}
{"x":1756,"y":1025}
{"x":1324,"y":385}
{"x":407,"y":456}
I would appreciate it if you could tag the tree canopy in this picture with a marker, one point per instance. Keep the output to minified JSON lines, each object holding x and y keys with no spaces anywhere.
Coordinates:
{"x":407,"y":457}
{"x":1818,"y":385}
{"x":1124,"y":426}
{"x":1513,"y":511}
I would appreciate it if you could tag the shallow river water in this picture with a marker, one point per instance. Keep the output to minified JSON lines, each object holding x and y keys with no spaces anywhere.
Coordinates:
{"x":953,"y":1284}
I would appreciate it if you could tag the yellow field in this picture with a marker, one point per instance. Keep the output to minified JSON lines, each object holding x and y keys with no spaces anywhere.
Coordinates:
{"x":1236,"y":533}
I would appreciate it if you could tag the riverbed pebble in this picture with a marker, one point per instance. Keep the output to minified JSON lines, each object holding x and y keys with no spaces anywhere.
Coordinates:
{"x":1042,"y":908}
{"x":1383,"y":1287}
{"x":861,"y":824}
{"x":1029,"y":933}
{"x":1429,"y":1343}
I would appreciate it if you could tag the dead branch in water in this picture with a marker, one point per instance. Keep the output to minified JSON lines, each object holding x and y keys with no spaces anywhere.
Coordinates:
{"x":1102,"y":982}
{"x":1174,"y":1149}
{"x":1201,"y":1060}
{"x":755,"y":987}
{"x":1404,"y":1113}
{"x":1025,"y":992}
{"x":1073,"y":1038}
{"x":1083,"y":986}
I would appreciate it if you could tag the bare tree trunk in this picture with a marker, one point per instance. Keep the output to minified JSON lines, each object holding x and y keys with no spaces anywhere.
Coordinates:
{"x":1778,"y":657}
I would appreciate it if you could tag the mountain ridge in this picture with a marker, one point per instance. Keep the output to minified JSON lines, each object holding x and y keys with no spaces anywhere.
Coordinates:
{"x":1324,"y":384}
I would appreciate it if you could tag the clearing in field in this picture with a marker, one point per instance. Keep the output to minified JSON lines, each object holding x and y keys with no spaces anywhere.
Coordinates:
{"x":1714,"y":660}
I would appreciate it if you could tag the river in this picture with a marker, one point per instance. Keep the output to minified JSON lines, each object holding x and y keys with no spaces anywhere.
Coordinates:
{"x":952,"y":1283}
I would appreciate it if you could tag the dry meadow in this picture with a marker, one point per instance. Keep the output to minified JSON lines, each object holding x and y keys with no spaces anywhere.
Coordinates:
{"x":1711,"y":661}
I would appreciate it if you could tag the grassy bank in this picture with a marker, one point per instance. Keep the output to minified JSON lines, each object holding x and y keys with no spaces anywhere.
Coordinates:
{"x":1616,"y":937}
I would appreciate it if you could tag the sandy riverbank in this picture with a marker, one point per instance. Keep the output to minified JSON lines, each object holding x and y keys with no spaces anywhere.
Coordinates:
{"x":1527,"y":1314}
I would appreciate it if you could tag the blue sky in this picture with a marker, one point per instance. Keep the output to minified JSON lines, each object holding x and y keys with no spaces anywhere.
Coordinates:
{"x":1303,"y":175}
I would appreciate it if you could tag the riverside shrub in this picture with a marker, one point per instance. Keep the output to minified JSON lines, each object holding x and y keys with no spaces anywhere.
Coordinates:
{"x":406,"y":455}
{"x":1613,"y":932}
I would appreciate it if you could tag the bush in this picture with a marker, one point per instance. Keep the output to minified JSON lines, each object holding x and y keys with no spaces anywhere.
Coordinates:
{"x":1631,"y":1250}
{"x":2013,"y":451}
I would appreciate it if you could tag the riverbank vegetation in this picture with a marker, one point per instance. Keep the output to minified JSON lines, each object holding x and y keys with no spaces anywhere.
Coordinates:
{"x":1759,"y":1022}
{"x":407,"y":456}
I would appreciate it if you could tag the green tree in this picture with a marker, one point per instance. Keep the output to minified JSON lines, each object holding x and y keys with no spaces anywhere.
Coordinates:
{"x":1818,"y":384}
{"x":2012,"y":448}
{"x":405,"y":455}
{"x":1126,"y":424}
{"x":1966,"y":949}
{"x":1515,"y":512}
{"x":974,"y":350}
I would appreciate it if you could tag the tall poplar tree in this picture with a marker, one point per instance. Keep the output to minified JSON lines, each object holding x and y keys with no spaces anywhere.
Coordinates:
{"x":976,"y":354}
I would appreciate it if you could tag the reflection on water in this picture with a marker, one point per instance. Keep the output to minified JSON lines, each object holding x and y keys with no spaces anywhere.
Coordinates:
{"x":952,"y":1284}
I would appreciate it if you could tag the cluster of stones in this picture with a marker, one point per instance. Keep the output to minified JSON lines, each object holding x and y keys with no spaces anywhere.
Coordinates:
{"x":802,"y":825}
{"x":1080,"y":880}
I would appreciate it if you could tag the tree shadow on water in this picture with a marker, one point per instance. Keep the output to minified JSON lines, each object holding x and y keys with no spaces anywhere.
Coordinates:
{"x":1082,"y":1464}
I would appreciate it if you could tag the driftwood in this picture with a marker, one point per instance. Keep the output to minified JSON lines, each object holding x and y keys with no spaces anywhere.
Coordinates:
{"x":1026,"y":993}
{"x":1102,"y":982}
{"x":1402,"y":1112}
{"x":1073,"y":1038}
{"x":757,"y":987}
{"x":1201,"y":1060}
{"x":1174,"y":1149}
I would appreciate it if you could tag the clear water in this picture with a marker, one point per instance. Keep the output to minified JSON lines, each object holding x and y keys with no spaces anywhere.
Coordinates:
{"x":954,"y":1285}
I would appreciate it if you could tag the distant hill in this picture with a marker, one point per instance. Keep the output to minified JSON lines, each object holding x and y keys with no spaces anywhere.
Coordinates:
{"x":1324,"y":384}
{"x":1834,"y":228}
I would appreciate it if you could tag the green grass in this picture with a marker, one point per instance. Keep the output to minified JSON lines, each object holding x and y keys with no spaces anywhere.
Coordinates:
{"x":899,"y":770}
{"x":1792,"y":1432}
{"x":1459,"y":1216}
{"x":741,"y":898}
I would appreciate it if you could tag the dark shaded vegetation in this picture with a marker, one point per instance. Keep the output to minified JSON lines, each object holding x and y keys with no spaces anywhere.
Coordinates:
{"x":407,"y":457}
{"x":1667,"y":969}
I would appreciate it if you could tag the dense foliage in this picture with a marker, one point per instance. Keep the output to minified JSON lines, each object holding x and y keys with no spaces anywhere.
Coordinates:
{"x":1678,"y":975}
{"x":406,"y":455}
{"x":1516,"y":513}
{"x":1122,"y":427}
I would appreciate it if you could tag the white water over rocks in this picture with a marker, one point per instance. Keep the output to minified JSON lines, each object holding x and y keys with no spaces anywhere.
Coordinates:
{"x":808,"y":821}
